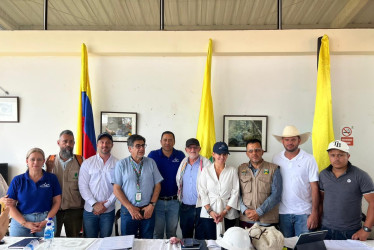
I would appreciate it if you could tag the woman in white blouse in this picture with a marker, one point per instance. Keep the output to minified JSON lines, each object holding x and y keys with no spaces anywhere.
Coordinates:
{"x":219,"y":192}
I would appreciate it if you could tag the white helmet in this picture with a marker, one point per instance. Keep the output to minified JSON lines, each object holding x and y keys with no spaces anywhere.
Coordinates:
{"x":235,"y":238}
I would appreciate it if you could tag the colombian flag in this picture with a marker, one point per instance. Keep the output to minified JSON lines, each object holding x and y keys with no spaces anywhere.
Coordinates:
{"x":86,"y":139}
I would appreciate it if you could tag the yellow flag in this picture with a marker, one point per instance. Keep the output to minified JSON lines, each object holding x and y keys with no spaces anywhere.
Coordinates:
{"x":206,"y":133}
{"x":323,"y":132}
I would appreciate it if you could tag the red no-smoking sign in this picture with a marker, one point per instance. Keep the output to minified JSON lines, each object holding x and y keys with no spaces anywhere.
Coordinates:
{"x":347,"y":136}
{"x":346,"y":131}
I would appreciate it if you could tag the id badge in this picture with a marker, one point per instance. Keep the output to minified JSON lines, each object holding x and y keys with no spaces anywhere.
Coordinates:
{"x":138,"y":197}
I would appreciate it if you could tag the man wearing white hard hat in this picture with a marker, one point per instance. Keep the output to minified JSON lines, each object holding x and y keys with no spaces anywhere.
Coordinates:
{"x":298,"y":209}
{"x":342,"y":186}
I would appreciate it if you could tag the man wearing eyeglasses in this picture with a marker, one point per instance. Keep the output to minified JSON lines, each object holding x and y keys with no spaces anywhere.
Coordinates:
{"x":261,"y":188}
{"x":187,"y":181}
{"x":167,"y":159}
{"x":136,"y":184}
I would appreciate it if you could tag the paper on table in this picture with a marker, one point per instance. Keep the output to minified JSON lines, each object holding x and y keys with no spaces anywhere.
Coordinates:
{"x":118,"y":242}
{"x":345,"y":244}
{"x":212,"y":244}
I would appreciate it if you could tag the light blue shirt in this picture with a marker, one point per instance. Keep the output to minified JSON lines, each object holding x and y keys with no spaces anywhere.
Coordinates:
{"x":189,"y":183}
{"x":64,"y":163}
{"x":125,"y":176}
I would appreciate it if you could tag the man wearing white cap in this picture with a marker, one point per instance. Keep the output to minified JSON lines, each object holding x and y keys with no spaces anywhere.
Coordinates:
{"x":298,"y":210}
{"x":342,"y":186}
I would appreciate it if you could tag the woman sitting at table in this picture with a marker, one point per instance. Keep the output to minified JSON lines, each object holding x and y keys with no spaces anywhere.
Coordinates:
{"x":219,"y":192}
{"x":38,"y":194}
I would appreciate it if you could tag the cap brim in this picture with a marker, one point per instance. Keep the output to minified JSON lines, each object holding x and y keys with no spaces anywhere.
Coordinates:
{"x":221,"y":242}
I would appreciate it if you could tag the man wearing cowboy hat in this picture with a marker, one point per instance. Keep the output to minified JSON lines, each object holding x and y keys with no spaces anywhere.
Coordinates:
{"x":298,"y":210}
{"x":342,"y":186}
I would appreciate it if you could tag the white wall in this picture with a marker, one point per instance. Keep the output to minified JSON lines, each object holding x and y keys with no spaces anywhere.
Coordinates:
{"x":165,"y":91}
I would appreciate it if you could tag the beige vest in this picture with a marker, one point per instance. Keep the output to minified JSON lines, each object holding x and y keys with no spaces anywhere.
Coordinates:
{"x":255,"y":190}
{"x":68,"y":179}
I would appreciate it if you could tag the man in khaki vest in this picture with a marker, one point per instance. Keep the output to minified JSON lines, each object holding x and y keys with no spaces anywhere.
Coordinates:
{"x":65,"y":166}
{"x":261,"y":188}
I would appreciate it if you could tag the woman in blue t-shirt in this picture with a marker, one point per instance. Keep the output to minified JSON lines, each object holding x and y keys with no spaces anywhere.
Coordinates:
{"x":38,"y":194}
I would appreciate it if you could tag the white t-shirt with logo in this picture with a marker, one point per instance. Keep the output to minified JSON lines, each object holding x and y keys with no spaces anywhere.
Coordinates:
{"x":297,"y":174}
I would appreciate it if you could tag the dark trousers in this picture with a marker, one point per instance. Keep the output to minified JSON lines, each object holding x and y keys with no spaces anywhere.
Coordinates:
{"x":190,"y":221}
{"x":210,"y":227}
{"x":72,"y":219}
{"x":333,"y":234}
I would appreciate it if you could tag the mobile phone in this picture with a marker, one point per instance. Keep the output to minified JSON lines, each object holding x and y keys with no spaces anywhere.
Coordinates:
{"x":187,"y":242}
{"x":141,"y":212}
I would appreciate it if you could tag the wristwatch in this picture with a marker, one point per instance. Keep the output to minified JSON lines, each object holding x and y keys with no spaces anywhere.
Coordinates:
{"x":209,"y":210}
{"x":366,"y":229}
{"x":153,"y":203}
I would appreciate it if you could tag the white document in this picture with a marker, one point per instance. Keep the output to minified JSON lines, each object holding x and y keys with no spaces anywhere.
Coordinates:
{"x":212,"y":244}
{"x":346,"y":244}
{"x":118,"y":242}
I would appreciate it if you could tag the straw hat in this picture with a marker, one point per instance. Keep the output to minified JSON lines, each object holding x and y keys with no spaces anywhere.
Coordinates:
{"x":291,"y":131}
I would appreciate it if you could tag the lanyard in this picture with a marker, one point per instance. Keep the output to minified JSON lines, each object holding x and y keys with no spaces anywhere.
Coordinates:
{"x":138,"y":173}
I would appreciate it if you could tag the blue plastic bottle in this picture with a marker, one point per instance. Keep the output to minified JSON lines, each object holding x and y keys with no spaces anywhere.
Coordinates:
{"x":50,"y":220}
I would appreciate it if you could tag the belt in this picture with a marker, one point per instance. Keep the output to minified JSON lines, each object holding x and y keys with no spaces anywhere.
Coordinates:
{"x":168,"y":198}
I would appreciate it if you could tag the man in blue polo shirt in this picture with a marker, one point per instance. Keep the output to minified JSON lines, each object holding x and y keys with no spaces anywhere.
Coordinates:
{"x":167,"y":159}
{"x":342,"y":187}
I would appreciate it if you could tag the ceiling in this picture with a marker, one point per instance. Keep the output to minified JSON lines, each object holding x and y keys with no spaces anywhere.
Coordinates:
{"x":185,"y":14}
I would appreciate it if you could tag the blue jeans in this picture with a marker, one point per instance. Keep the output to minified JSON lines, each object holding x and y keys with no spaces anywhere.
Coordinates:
{"x":293,"y":225}
{"x":189,"y":216}
{"x":17,"y":230}
{"x":142,"y":229}
{"x":93,"y":224}
{"x":167,"y":213}
{"x":333,"y":234}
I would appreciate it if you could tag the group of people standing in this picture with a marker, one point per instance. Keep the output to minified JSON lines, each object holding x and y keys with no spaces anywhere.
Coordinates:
{"x":206,"y":198}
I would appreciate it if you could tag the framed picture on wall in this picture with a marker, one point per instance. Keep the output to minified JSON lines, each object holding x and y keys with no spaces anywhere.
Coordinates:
{"x":119,"y":124}
{"x":9,"y":107}
{"x":238,"y":129}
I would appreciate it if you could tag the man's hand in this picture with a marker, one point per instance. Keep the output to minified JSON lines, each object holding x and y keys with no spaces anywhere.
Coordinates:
{"x":99,"y":208}
{"x":148,"y":211}
{"x":4,"y":222}
{"x":252,"y":215}
{"x":312,"y":221}
{"x":8,"y":202}
{"x":135,"y":212}
{"x":360,"y":235}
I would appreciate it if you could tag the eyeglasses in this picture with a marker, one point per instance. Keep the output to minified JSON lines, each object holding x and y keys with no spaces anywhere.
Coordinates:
{"x":138,"y":146}
{"x":257,"y":150}
{"x":193,"y":147}
{"x":256,"y":233}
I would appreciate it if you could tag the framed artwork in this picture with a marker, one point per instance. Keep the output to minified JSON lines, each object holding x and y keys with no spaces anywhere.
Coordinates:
{"x":238,"y":129}
{"x":9,"y":109}
{"x":119,"y":124}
